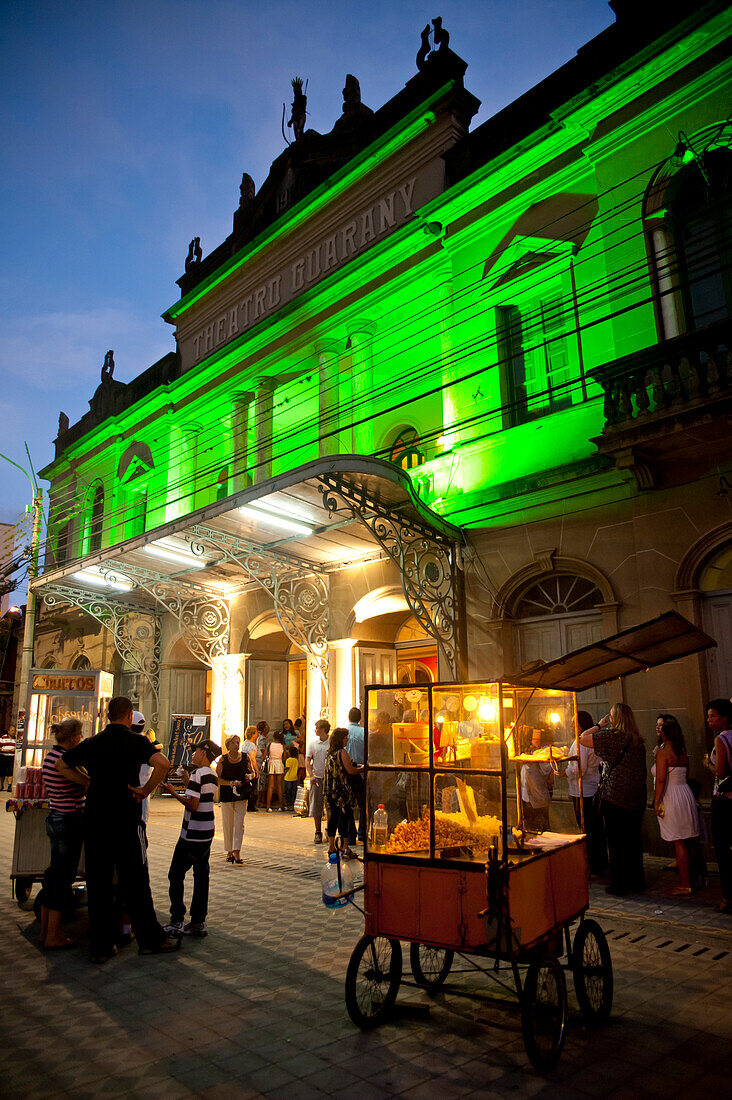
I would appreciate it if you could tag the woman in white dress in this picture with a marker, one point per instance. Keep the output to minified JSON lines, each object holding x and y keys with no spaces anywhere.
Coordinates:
{"x":673,"y":800}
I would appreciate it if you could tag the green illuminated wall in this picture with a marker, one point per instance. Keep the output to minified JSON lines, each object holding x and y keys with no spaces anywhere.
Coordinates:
{"x":434,"y":308}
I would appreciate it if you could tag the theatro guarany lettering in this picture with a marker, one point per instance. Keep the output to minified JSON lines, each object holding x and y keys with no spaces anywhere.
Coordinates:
{"x":347,"y":241}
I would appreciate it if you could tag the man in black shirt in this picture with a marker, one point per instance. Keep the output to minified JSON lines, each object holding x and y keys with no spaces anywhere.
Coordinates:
{"x":114,"y":833}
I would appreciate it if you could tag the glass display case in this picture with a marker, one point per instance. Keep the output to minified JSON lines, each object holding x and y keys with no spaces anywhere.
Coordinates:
{"x":56,"y":694}
{"x":457,"y":771}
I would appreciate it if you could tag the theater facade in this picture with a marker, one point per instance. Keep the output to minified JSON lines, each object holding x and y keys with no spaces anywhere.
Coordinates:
{"x":451,"y":397}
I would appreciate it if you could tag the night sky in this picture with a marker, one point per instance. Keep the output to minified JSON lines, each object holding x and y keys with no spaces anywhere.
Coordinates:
{"x":126,"y":128}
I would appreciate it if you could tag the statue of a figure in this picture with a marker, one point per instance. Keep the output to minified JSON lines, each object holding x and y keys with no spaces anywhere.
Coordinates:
{"x":63,"y":423}
{"x":442,"y":38}
{"x":299,"y":108}
{"x":195,"y":255}
{"x":441,"y":41}
{"x":247,"y":190}
{"x":108,"y":367}
{"x":424,"y":49}
{"x":351,"y":92}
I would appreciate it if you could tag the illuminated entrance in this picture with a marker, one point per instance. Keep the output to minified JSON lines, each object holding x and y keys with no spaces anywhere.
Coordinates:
{"x":259,"y":588}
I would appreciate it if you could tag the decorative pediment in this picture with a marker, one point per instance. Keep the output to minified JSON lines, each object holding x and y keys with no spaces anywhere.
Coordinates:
{"x":136,"y":463}
{"x":523,"y":255}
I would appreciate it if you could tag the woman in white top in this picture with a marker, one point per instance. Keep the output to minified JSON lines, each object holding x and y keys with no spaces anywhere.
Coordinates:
{"x":589,"y":767}
{"x":276,"y":770}
{"x":673,"y":800}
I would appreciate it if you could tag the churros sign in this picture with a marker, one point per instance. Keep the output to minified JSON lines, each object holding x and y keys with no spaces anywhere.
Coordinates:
{"x":44,"y":681}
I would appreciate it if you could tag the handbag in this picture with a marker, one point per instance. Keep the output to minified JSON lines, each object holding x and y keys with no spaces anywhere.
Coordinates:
{"x":607,"y":772}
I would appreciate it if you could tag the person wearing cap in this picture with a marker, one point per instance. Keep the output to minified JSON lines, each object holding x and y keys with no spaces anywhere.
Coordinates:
{"x":138,"y":726}
{"x":194,"y":843}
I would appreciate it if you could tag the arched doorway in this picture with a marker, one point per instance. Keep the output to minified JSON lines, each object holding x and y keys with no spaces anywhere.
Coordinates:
{"x":555,"y":614}
{"x":715,"y":586}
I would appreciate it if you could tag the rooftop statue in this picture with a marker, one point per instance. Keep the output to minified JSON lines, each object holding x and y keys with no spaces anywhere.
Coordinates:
{"x":195,"y":255}
{"x":299,"y":112}
{"x":108,"y":367}
{"x":247,"y":189}
{"x":441,"y":41}
{"x":63,"y":423}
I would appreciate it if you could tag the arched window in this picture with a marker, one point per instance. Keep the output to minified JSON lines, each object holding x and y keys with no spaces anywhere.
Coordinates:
{"x":405,"y":450}
{"x":96,"y":518}
{"x":701,"y":214}
{"x":82,"y":662}
{"x":222,"y":484}
{"x":688,"y":216}
{"x":558,"y":594}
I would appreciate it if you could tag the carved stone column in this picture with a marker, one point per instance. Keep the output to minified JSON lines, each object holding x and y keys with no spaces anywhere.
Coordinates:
{"x":263,"y":427}
{"x":240,"y":403}
{"x":360,"y":341}
{"x":328,"y":404}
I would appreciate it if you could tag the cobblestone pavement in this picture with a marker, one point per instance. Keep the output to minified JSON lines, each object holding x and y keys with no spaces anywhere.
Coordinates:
{"x":257,"y":1008}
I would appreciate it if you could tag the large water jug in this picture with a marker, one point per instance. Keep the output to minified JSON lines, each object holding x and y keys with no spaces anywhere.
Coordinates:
{"x":335,"y":879}
{"x":379,"y":830}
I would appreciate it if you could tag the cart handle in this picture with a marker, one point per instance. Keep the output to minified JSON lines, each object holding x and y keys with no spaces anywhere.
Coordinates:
{"x":348,"y":893}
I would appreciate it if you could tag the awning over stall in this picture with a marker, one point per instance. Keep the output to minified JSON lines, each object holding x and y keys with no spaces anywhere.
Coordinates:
{"x":652,"y":643}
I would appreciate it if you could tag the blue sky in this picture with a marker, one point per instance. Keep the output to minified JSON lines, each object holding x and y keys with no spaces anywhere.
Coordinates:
{"x":126,"y":128}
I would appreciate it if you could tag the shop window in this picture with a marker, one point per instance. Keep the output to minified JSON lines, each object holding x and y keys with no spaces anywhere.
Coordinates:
{"x":558,"y":594}
{"x":405,"y":451}
{"x":96,"y":519}
{"x":222,"y":484}
{"x":689,"y":223}
{"x":534,"y":353}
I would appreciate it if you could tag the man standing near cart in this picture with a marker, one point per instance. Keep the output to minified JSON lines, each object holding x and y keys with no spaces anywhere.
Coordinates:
{"x":114,"y":833}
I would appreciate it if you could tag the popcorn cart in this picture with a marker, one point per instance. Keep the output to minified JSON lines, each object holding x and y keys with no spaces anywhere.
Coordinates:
{"x":456,"y":868}
{"x":54,"y":694}
{"x":473,"y":848}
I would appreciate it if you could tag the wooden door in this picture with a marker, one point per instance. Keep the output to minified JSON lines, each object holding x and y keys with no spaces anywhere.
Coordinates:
{"x":267,"y":692}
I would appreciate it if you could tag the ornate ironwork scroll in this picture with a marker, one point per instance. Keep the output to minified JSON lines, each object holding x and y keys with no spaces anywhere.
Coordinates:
{"x":203,"y":619}
{"x":429,"y":563}
{"x":299,"y":590}
{"x":135,"y":631}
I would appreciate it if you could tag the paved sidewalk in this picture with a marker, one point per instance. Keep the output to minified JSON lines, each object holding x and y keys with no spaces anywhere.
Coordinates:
{"x":257,"y":1008}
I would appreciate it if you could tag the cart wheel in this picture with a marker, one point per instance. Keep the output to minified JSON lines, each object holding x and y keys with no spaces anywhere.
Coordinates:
{"x":592,"y":970}
{"x":372,"y":980}
{"x":23,"y":887}
{"x":430,"y":965}
{"x":544,"y":1013}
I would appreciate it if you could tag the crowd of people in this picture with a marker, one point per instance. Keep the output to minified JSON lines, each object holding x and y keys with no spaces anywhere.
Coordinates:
{"x":98,"y":791}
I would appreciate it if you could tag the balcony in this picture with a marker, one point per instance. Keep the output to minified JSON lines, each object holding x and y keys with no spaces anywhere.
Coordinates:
{"x":668,"y":408}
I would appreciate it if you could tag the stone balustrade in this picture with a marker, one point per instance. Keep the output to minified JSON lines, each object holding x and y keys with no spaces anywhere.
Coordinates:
{"x":688,"y":371}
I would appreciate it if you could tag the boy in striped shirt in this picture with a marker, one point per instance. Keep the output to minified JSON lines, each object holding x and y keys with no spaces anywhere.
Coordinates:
{"x":194,"y":844}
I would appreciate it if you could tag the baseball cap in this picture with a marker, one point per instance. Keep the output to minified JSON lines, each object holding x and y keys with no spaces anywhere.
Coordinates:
{"x":138,"y":721}
{"x":211,"y":749}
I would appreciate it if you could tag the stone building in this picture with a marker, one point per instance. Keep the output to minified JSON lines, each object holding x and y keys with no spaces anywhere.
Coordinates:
{"x":445,"y":401}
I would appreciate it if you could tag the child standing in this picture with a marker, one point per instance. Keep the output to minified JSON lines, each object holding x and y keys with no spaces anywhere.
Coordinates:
{"x":292,"y":766}
{"x":194,"y":844}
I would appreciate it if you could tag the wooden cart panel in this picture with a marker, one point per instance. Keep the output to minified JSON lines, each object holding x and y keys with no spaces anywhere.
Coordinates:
{"x":440,"y":906}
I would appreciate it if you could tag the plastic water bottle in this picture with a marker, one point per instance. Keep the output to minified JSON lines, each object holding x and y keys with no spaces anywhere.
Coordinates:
{"x":379,"y":829}
{"x":335,"y":878}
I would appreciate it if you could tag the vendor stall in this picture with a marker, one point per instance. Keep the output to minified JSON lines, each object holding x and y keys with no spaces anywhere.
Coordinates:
{"x":468,"y":854}
{"x":54,"y":695}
